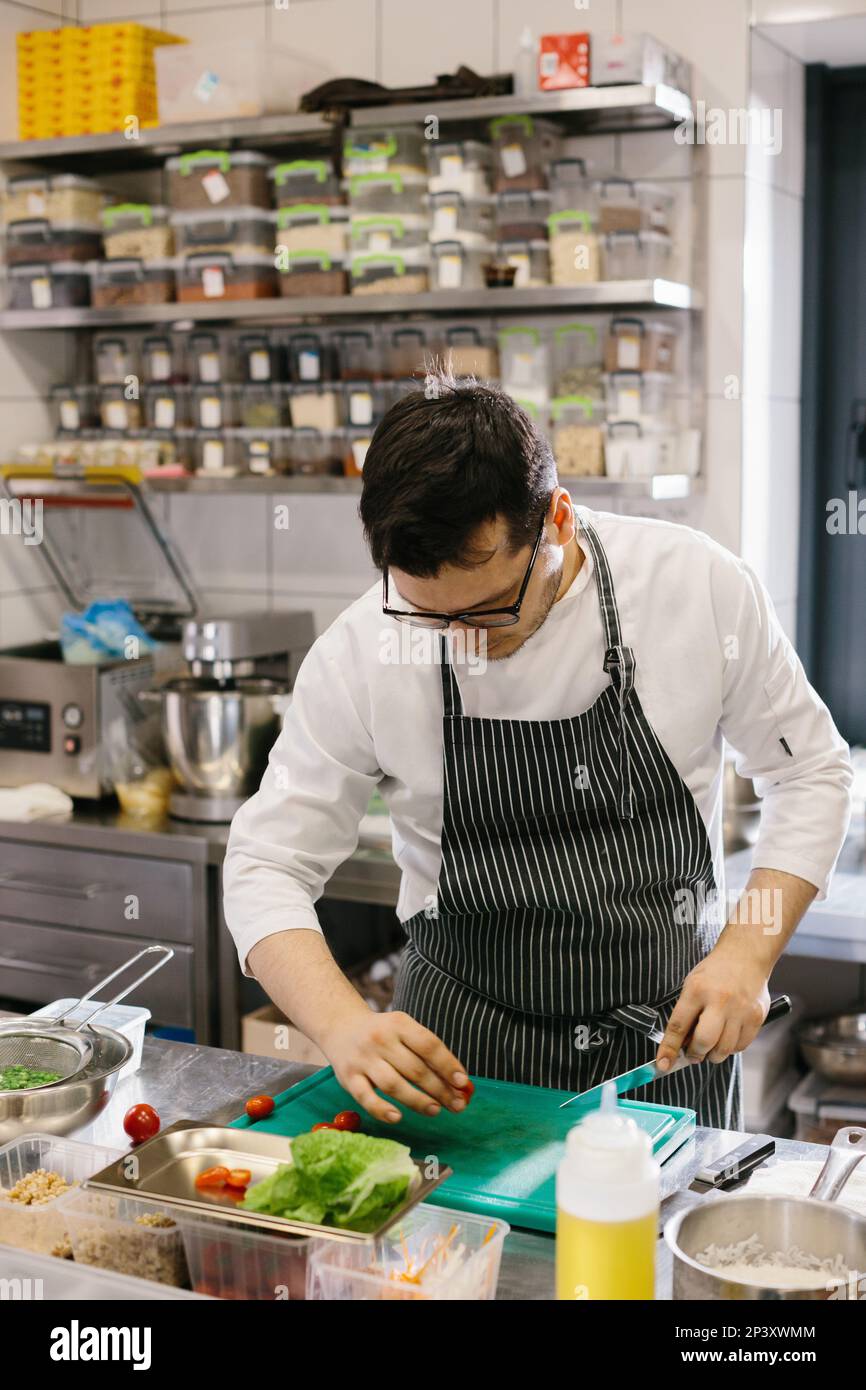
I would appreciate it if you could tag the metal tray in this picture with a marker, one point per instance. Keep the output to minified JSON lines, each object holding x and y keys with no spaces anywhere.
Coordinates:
{"x":165,"y":1169}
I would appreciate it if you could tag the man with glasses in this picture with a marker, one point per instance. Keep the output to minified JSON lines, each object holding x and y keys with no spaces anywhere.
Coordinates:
{"x":557,"y":812}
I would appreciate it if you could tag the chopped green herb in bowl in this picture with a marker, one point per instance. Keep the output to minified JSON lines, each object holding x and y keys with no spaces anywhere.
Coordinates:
{"x":25,"y":1078}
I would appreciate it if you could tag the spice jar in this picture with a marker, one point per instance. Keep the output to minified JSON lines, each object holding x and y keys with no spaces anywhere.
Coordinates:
{"x":638,"y":345}
{"x":263,"y":451}
{"x":628,"y":206}
{"x":531,"y":261}
{"x":407,"y":273}
{"x":459,"y":166}
{"x":204,"y":179}
{"x":578,"y":436}
{"x":522,"y":214}
{"x":138,"y":230}
{"x":74,"y":199}
{"x":24,"y":198}
{"x":571,"y":189}
{"x":364,"y":403}
{"x":388,"y":232}
{"x":357,"y":442}
{"x":214,"y":452}
{"x":525,"y":364}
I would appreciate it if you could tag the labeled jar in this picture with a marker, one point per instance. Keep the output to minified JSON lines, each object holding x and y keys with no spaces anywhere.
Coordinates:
{"x":215,"y":452}
{"x":262,"y":359}
{"x":236,"y":231}
{"x":578,"y":436}
{"x":305,"y":181}
{"x":457,"y":218}
{"x":215,"y":407}
{"x":577,"y":359}
{"x":523,"y":148}
{"x":636,"y":255}
{"x":457,"y":266}
{"x":75,"y":408}
{"x":263,"y":406}
{"x":138,"y":230}
{"x":310,"y":357}
{"x":396,"y":151}
{"x":204,"y":179}
{"x":531,"y":260}
{"x":316,"y":408}
{"x":37,"y":239}
{"x":57,"y":285}
{"x":522,"y":215}
{"x":306,"y":274}
{"x":122,"y":283}
{"x":215,"y":276}
{"x":312,"y":227}
{"x":263,"y":452}
{"x":158,"y":356}
{"x":391,"y":273}
{"x":575,"y":256}
{"x":208,"y":358}
{"x":364,"y":403}
{"x":381,"y":232}
{"x":166,"y":407}
{"x":117,"y":411}
{"x":459,"y":166}
{"x":357,"y":355}
{"x":116,"y":361}
{"x":390,"y":195}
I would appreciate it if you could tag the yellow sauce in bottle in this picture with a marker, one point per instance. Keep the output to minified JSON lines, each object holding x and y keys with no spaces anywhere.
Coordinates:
{"x":605,"y":1259}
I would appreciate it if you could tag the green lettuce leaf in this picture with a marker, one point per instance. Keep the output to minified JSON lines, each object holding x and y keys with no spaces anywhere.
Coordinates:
{"x":337,"y":1178}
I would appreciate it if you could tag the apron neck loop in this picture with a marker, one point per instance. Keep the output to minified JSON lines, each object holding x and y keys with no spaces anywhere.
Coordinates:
{"x":618,"y":659}
{"x":452,"y":704}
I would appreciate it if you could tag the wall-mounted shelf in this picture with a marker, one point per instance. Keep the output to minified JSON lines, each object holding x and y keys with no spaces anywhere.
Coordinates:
{"x":668,"y":486}
{"x":586,"y":111}
{"x":634,"y":294}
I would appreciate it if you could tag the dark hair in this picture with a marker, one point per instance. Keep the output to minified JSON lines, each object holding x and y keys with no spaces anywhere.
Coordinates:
{"x":443,"y":461}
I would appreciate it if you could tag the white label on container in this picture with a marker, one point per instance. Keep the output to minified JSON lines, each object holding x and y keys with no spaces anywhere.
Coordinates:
{"x":628,"y":402}
{"x":209,"y":366}
{"x":361,"y":408}
{"x":359,"y":452}
{"x":367,"y":166}
{"x":445,"y":221}
{"x":213,"y":282}
{"x":212,"y":455}
{"x":36,"y":204}
{"x":379,"y":242}
{"x":260,"y":365}
{"x":216,"y":186}
{"x":210,"y":412}
{"x":115,"y":415}
{"x":205,"y":86}
{"x":450,"y":272}
{"x":260,"y":456}
{"x":520,"y":259}
{"x":309,"y":366}
{"x":163,"y":413}
{"x":40,"y":293}
{"x":451,"y":165}
{"x":160,"y":365}
{"x":70,"y":415}
{"x":513,"y":161}
{"x":628,"y":352}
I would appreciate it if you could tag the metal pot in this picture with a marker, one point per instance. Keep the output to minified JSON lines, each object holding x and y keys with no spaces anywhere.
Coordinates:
{"x":812,"y":1223}
{"x":218,"y":736}
{"x":835,"y":1047}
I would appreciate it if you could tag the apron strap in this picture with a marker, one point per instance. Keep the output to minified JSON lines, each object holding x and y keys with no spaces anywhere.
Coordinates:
{"x":649,"y":1020}
{"x":618,"y":659}
{"x":452,"y":703}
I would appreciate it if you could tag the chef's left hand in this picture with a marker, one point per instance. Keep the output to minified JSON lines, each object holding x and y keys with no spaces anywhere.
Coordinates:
{"x":723,"y":1003}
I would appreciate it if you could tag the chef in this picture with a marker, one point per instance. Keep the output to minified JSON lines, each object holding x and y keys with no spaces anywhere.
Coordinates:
{"x":550,"y":747}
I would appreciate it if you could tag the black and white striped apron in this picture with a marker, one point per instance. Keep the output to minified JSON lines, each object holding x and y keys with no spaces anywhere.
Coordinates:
{"x":575,"y":893}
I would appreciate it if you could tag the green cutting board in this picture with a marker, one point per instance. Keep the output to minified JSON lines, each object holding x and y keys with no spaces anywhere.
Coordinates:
{"x":504,"y":1148}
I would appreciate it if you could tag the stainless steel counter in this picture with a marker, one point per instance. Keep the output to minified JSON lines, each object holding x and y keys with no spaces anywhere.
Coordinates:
{"x":189,"y":1082}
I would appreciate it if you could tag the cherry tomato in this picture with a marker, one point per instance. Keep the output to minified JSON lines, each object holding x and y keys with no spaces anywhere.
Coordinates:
{"x":239,"y":1177}
{"x":141,"y":1122}
{"x":259,"y":1107}
{"x":212,"y":1177}
{"x":467,"y":1091}
{"x":323,"y":1124}
{"x":348,"y":1119}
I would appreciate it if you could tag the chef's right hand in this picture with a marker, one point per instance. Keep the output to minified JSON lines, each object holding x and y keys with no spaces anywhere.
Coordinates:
{"x":392,"y":1053}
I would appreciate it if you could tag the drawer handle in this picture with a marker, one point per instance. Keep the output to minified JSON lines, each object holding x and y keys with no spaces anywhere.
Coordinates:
{"x":57,"y":890}
{"x":36,"y":967}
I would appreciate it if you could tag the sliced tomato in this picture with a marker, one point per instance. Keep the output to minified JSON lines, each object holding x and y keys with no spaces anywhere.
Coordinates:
{"x":212,"y":1177}
{"x":259,"y":1107}
{"x":141,"y":1122}
{"x":323,"y":1124}
{"x":239,"y":1177}
{"x":348,"y":1119}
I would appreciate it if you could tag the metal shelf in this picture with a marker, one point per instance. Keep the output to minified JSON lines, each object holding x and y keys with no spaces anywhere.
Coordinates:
{"x":586,"y":110}
{"x":635,"y":294}
{"x":667,"y":486}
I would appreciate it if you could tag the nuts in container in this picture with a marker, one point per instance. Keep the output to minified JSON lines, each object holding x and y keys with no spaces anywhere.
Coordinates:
{"x":127,"y":1236}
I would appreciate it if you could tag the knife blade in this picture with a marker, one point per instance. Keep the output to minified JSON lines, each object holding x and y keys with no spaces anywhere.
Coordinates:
{"x":649,"y":1071}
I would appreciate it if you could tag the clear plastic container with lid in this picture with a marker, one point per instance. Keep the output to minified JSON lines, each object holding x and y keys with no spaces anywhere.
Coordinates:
{"x":141,"y":230}
{"x":216,"y":275}
{"x":522,"y":214}
{"x":357,"y":355}
{"x":306,"y":274}
{"x":575,"y":249}
{"x":385,"y":232}
{"x":397,"y":195}
{"x":578,"y":436}
{"x":364,"y":403}
{"x":523,"y":148}
{"x":208,"y":358}
{"x":357,"y":443}
{"x":524,"y":359}
{"x":406,"y":352}
{"x":119,"y":408}
{"x":263,"y":406}
{"x":459,"y":166}
{"x":37,"y":239}
{"x":391,"y":273}
{"x":531,"y":260}
{"x":127,"y":1235}
{"x":204,"y":179}
{"x":396,"y":151}
{"x":262,"y":357}
{"x":120,"y":283}
{"x":645,"y":397}
{"x":633,"y":450}
{"x":468,"y":351}
{"x":215,"y":407}
{"x":639,"y":345}
{"x":263,"y":451}
{"x":116,"y":360}
{"x":572,"y":188}
{"x":457,"y":266}
{"x":166,"y":406}
{"x":238,"y":1262}
{"x":629,"y":206}
{"x":75,"y":408}
{"x":42,"y":1226}
{"x":215,"y":452}
{"x":310,"y":357}
{"x":56,"y":285}
{"x":317,"y":451}
{"x":636,"y":255}
{"x":458,"y":218}
{"x":159,"y":358}
{"x":577,"y":359}
{"x":316,"y":407}
{"x":25,"y":198}
{"x":236,"y":230}
{"x":305,"y":181}
{"x":313,"y":227}
{"x":72,"y":198}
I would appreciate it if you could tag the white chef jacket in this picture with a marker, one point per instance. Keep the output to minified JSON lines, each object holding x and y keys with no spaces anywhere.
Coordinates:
{"x":711,"y":664}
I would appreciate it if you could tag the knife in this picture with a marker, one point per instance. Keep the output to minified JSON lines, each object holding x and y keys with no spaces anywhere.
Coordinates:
{"x":649,"y":1071}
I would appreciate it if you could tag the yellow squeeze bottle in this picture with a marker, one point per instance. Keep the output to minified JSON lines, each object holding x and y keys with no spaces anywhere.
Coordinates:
{"x":607,"y":1206}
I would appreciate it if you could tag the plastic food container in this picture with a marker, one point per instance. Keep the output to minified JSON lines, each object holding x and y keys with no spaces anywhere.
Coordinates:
{"x":459,"y":166}
{"x":115,"y":284}
{"x":391,"y":273}
{"x":312,"y":227}
{"x":63,"y":1280}
{"x":59,"y":285}
{"x":310,"y":357}
{"x":636,"y":255}
{"x":357,"y":443}
{"x":208,"y":357}
{"x":215,"y":407}
{"x":25,"y":198}
{"x":523,"y":148}
{"x":116,"y":412}
{"x":571,"y":188}
{"x":367,"y":1271}
{"x":238,"y":1262}
{"x":384,"y":232}
{"x":364,"y":403}
{"x":75,"y":408}
{"x":137,"y":229}
{"x":406,"y":352}
{"x":215,"y":452}
{"x":386,"y":194}
{"x":469,"y":352}
{"x":633,"y":451}
{"x":263,"y":452}
{"x":128,"y":1236}
{"x":638,"y":345}
{"x":525,"y":364}
{"x":219,"y":276}
{"x":522,"y":215}
{"x":263,"y":406}
{"x":316,"y":408}
{"x":459,"y":267}
{"x":166,"y":407}
{"x":357,"y":355}
{"x":319,"y":452}
{"x":398,"y":151}
{"x":261,"y":358}
{"x":309,"y":273}
{"x":531,"y":260}
{"x":74,"y":199}
{"x":36,"y":239}
{"x":575,"y":257}
{"x":237,"y":231}
{"x":158,"y":358}
{"x":626,"y":206}
{"x":43,"y":1228}
{"x":305,"y":181}
{"x":641,"y":396}
{"x":205,"y":179}
{"x":457,"y":218}
{"x":578,"y":436}
{"x":115,"y":360}
{"x":577,"y":359}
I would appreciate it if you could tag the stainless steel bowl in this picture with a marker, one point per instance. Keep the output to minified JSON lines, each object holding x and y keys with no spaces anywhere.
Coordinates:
{"x":67,"y":1106}
{"x":836,"y":1047}
{"x":218,"y":737}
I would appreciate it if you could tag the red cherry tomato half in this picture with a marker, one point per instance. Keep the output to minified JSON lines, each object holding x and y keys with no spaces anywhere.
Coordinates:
{"x":323,"y":1124}
{"x":259,"y":1107}
{"x":212,"y":1177}
{"x":467,"y":1091}
{"x":141,"y":1122}
{"x":239,"y":1177}
{"x":348,"y":1119}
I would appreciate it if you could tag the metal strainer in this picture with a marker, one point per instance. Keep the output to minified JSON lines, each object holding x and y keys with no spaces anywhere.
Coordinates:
{"x":45,"y":1044}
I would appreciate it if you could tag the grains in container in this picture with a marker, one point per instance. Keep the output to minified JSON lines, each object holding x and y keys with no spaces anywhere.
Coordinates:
{"x":574,"y":249}
{"x":138,"y":230}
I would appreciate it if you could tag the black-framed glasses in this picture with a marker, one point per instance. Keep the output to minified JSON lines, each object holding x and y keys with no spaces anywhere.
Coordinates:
{"x":483,"y":617}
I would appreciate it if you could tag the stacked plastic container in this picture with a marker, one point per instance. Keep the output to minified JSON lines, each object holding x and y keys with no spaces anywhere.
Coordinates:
{"x":386,"y":177}
{"x":461,"y":213}
{"x":223,"y":225}
{"x":312,"y":228}
{"x":51,"y":232}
